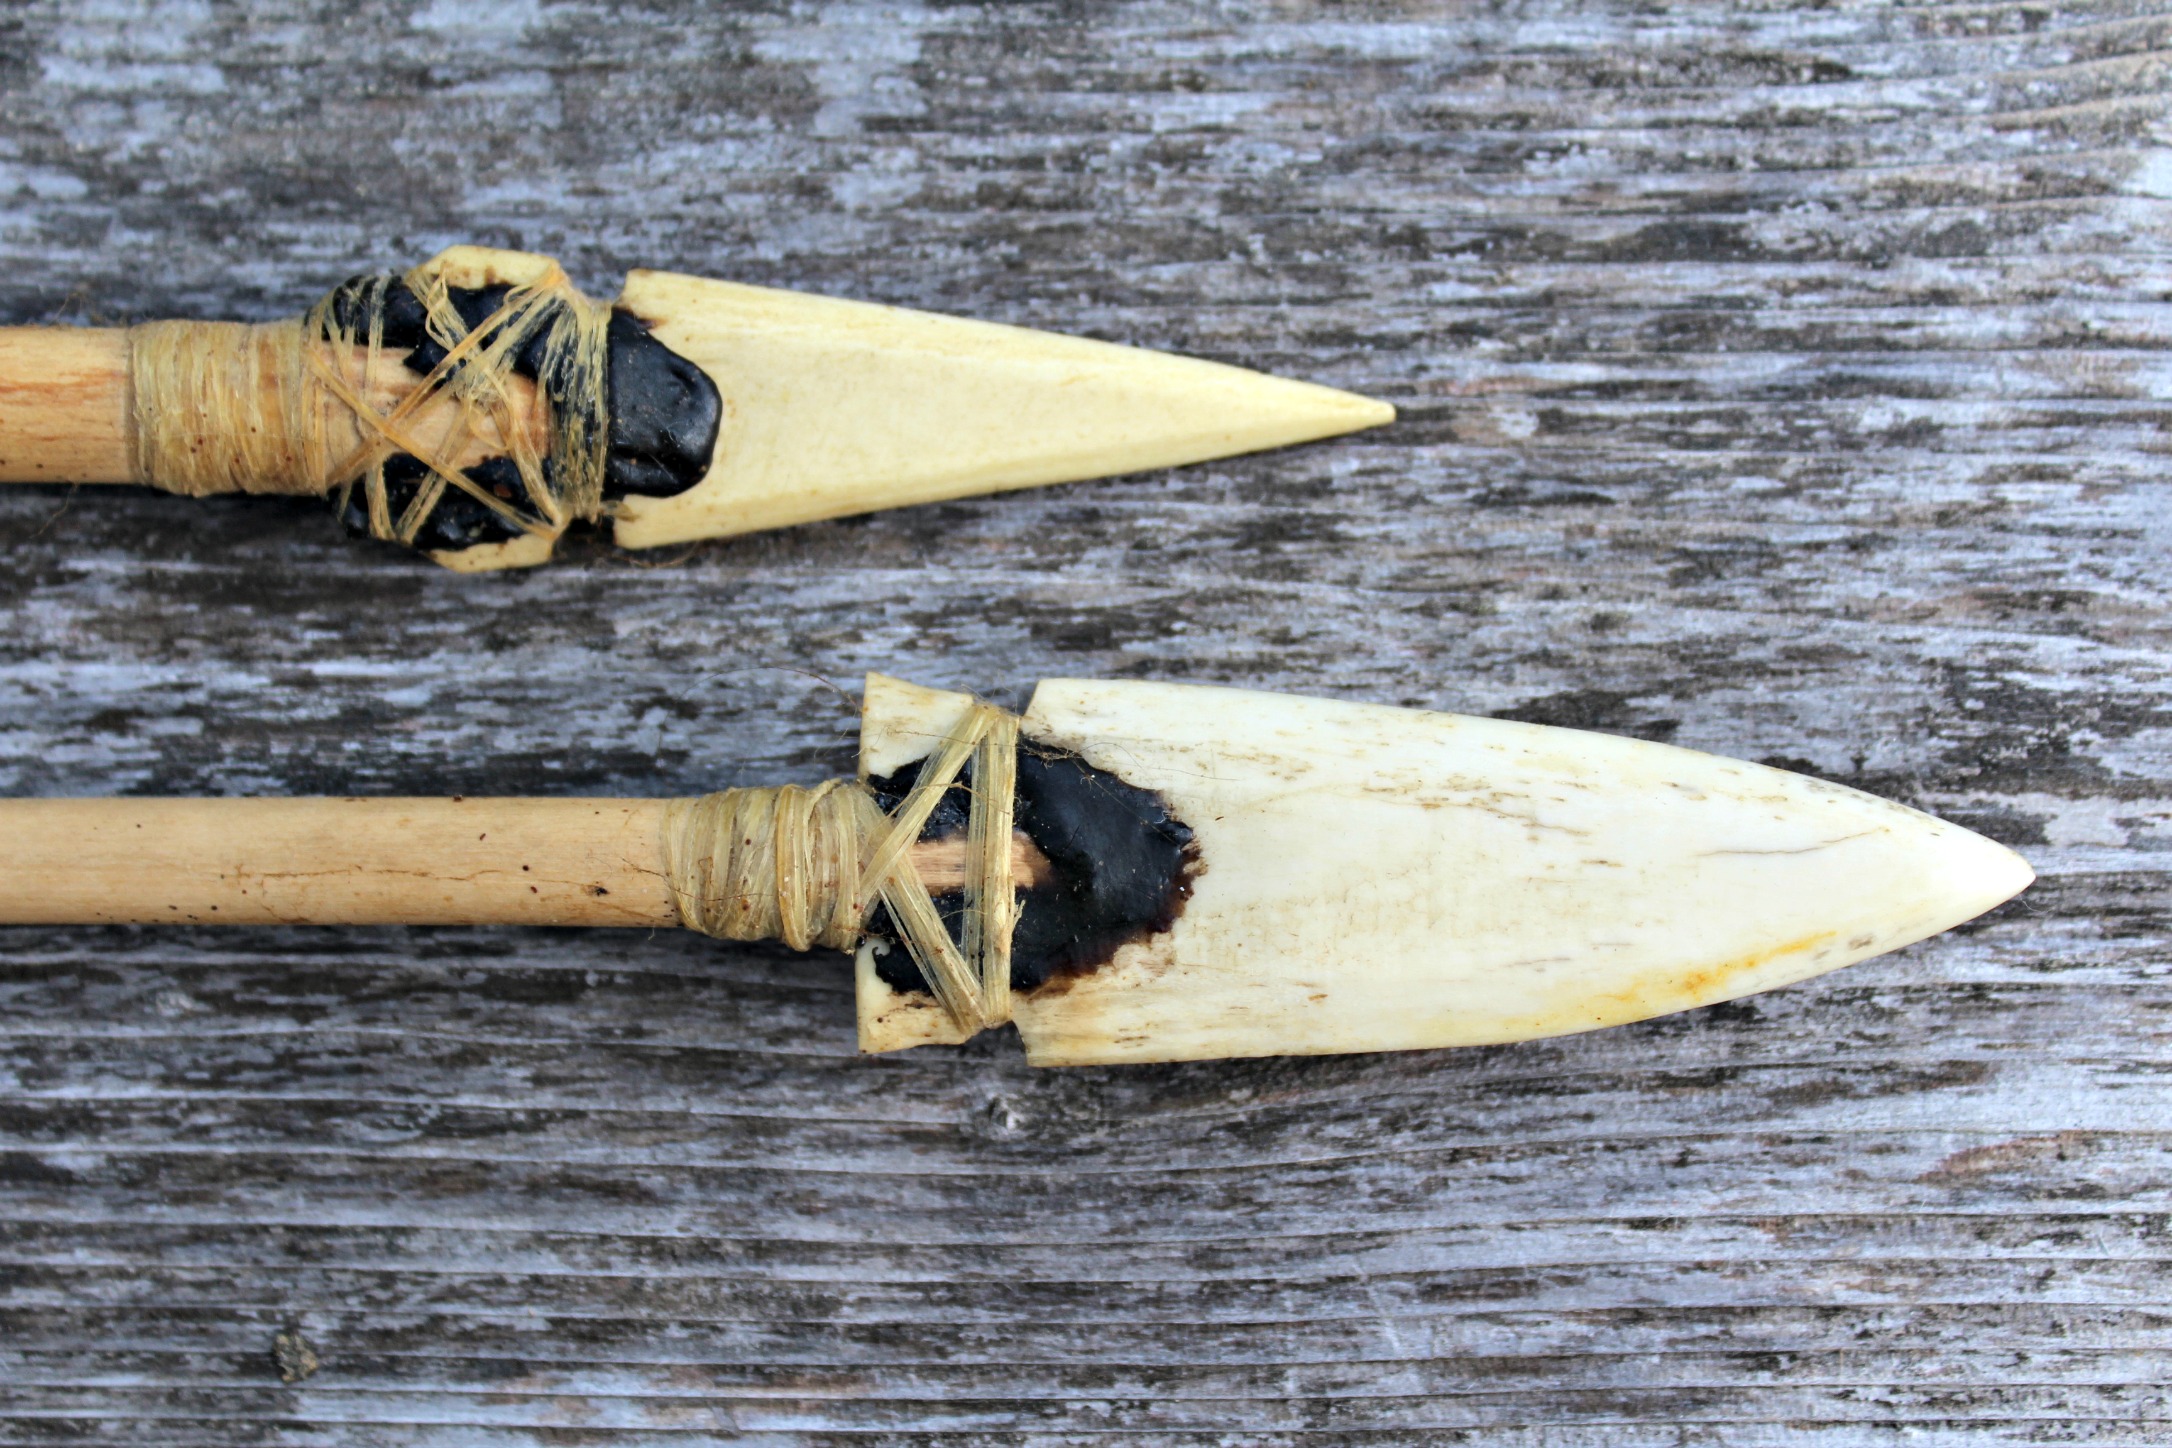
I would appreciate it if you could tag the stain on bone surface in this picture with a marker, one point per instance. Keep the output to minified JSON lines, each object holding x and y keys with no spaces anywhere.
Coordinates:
{"x":1120,"y":866}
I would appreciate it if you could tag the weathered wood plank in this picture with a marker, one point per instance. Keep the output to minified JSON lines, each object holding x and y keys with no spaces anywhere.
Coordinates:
{"x":1783,"y":382}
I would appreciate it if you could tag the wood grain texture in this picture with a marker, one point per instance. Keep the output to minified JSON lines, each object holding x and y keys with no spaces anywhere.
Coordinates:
{"x":64,"y":405}
{"x":1787,"y":383}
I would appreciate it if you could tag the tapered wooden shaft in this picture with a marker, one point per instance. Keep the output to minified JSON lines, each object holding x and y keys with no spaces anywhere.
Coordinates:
{"x":354,"y":862}
{"x":334,"y":861}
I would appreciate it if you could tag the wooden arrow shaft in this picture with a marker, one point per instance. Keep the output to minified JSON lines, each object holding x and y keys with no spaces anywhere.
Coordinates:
{"x":334,"y":861}
{"x":358,"y":862}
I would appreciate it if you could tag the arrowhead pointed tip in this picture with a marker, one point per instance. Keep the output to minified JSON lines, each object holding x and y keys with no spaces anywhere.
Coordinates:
{"x":1357,"y":412}
{"x":1972,"y":874}
{"x":1260,"y":411}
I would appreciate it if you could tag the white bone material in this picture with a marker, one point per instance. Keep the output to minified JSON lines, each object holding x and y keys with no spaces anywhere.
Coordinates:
{"x":1382,"y":879}
{"x":834,"y":407}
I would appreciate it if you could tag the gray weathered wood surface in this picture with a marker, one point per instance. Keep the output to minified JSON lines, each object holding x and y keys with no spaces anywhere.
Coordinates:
{"x":1790,"y":383}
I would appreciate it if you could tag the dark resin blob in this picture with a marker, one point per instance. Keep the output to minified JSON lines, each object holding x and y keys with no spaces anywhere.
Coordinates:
{"x":1122,"y":866}
{"x":664,"y":414}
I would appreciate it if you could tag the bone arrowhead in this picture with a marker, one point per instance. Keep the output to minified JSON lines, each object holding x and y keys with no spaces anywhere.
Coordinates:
{"x":1380,"y":879}
{"x":478,"y":406}
{"x":834,"y":407}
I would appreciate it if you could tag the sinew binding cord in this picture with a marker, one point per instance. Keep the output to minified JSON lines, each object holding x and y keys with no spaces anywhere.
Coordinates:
{"x":1186,"y":872}
{"x":439,"y":417}
{"x":478,"y":406}
{"x":807,"y":866}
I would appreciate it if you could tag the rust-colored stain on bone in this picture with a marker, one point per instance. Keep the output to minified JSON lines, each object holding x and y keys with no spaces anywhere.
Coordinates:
{"x":1707,"y":984}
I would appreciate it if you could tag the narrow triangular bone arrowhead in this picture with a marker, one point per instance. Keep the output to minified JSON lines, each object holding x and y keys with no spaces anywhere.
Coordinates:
{"x":1374,"y":879}
{"x":834,"y":407}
